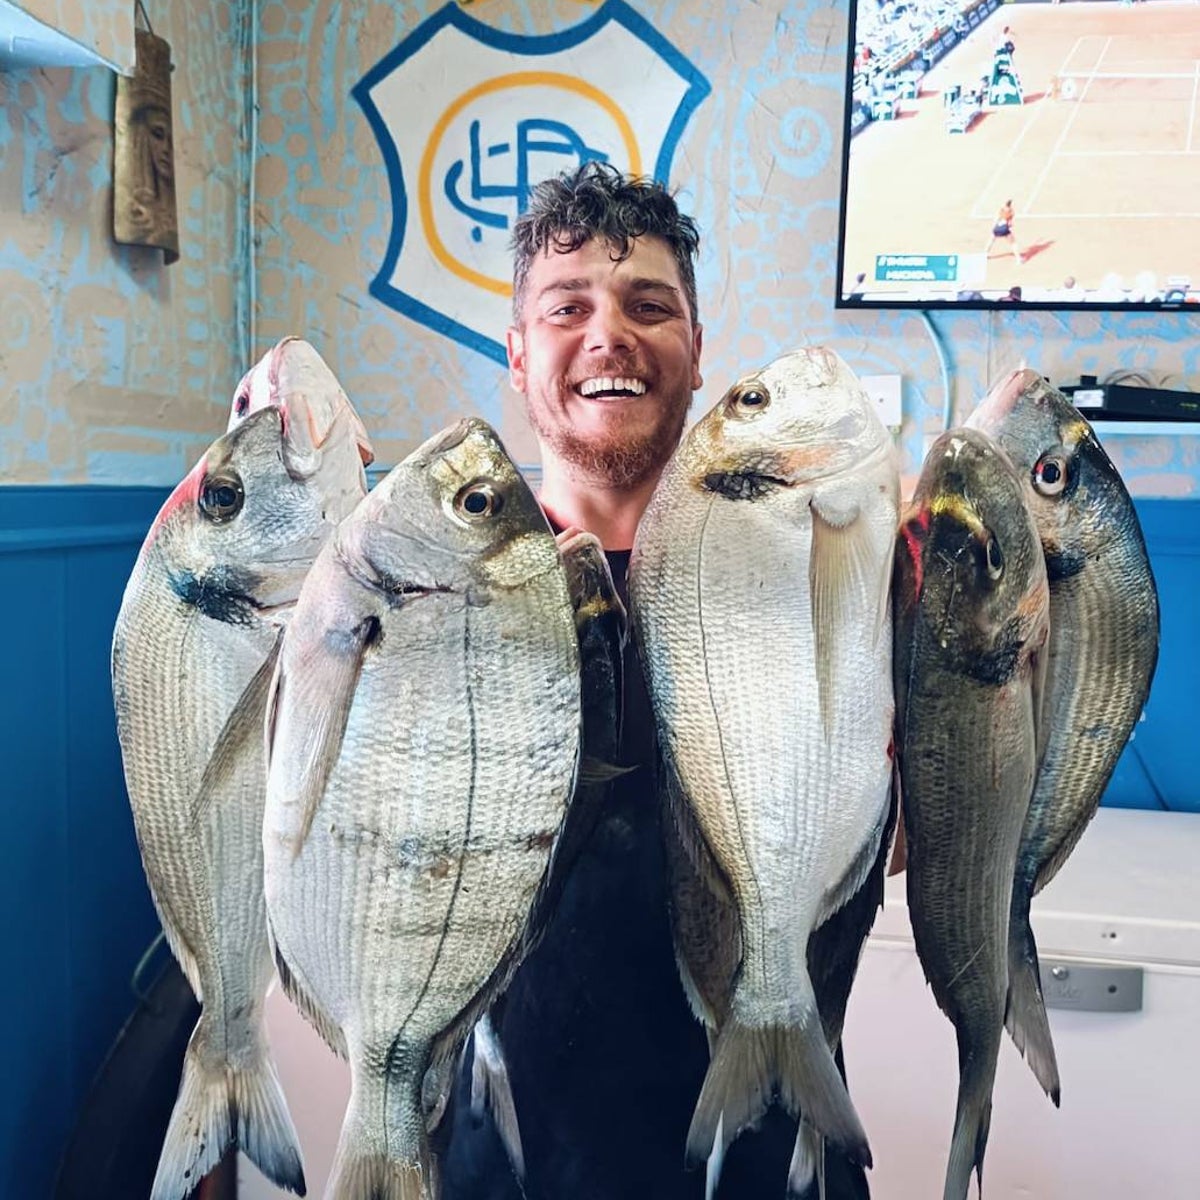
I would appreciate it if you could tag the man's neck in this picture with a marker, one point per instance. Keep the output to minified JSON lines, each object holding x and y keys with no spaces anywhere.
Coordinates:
{"x":612,"y":514}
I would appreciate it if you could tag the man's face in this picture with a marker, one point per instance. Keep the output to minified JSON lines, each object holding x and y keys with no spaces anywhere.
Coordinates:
{"x":607,"y":357}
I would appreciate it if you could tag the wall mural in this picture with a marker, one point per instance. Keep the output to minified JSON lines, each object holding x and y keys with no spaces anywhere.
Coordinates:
{"x":470,"y":118}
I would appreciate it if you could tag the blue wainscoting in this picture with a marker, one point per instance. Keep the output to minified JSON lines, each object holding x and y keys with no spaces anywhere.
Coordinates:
{"x":1161,"y":765}
{"x":76,"y":912}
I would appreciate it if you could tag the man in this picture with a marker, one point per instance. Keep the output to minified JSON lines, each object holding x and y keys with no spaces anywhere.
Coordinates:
{"x":605,"y":1057}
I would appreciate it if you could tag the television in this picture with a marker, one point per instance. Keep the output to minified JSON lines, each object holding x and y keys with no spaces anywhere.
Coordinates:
{"x":1021,"y":155}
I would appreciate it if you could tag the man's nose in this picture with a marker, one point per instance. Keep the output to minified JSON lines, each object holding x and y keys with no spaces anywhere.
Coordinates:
{"x":609,"y":330}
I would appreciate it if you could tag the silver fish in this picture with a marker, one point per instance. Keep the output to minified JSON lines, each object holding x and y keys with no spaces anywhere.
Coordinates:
{"x":425,"y":731}
{"x":1104,"y":627}
{"x":972,"y":622}
{"x":193,"y":651}
{"x":320,"y":418}
{"x":759,"y":593}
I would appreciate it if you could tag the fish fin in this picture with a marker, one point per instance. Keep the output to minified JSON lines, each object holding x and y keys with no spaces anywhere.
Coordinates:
{"x":355,"y":1177}
{"x":835,"y":948}
{"x":841,"y":567}
{"x":751,"y":1065}
{"x":971,"y":1124}
{"x":322,"y":695}
{"x":715,"y":1164}
{"x":242,"y":727}
{"x":806,"y":1172}
{"x":221,"y":1105}
{"x":1040,"y":664}
{"x":595,"y":772}
{"x":705,"y":924}
{"x":859,"y":869}
{"x":1025,"y":1012}
{"x":309,"y":1008}
{"x":491,"y":1088}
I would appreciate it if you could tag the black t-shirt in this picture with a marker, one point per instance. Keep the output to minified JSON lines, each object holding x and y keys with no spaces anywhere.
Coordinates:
{"x":605,"y":1057}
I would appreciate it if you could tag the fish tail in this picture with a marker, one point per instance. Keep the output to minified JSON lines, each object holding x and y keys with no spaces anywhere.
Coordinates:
{"x":971,"y":1125}
{"x":752,"y":1065}
{"x":220,"y":1105}
{"x":491,"y":1088}
{"x":382,"y":1153}
{"x":805,"y":1174}
{"x":1025,"y":1012}
{"x":374,"y":1176}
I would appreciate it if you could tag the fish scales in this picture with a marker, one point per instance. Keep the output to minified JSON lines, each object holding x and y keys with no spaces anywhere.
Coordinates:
{"x":193,"y":647}
{"x":972,"y":626}
{"x":759,"y":592}
{"x":1104,"y":629}
{"x":400,"y":885}
{"x":212,"y":914}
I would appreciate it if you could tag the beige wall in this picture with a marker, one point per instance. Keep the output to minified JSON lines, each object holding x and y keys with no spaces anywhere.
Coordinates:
{"x":113,"y":367}
{"x":116,"y":369}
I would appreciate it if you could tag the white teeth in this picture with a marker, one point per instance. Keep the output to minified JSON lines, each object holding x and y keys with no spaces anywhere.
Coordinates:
{"x":605,"y":383}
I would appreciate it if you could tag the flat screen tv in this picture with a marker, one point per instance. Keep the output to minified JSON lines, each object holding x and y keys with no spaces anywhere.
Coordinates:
{"x":1021,"y":155}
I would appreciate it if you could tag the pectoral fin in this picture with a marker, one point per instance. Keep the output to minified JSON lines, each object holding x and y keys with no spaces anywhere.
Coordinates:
{"x":843,"y":570}
{"x":318,"y":700}
{"x":242,"y":729}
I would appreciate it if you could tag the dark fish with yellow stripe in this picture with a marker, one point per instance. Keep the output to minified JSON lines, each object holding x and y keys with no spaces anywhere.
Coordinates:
{"x":971,"y":611}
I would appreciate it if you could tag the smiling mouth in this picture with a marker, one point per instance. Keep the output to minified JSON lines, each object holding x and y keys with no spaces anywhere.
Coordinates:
{"x":610,"y":387}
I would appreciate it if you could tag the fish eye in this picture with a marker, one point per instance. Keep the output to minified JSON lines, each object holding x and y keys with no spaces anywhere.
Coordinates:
{"x":221,"y":497}
{"x":478,"y":501}
{"x":1050,"y":475}
{"x":748,"y":399}
{"x":995,"y":559}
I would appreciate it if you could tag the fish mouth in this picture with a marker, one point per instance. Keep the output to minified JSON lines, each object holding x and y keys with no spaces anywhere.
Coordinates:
{"x":611,"y":387}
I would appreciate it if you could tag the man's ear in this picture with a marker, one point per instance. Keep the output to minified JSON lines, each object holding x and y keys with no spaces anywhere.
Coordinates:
{"x":514,"y":340}
{"x":697,"y":344}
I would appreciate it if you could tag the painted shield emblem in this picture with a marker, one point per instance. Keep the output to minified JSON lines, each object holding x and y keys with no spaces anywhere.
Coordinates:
{"x":469,"y":119}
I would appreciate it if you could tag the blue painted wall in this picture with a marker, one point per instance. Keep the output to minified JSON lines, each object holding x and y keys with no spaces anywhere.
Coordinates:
{"x":77,"y":913}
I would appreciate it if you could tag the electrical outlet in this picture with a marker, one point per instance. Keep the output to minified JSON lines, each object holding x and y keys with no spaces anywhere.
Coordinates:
{"x":884,"y":390}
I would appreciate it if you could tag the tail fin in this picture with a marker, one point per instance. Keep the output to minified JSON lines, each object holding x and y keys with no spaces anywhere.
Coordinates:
{"x":219,"y":1106}
{"x":806,"y":1175}
{"x":491,"y":1088}
{"x":383,"y":1150}
{"x":971,"y":1124}
{"x":751,"y":1065}
{"x":376,"y":1177}
{"x":1025,"y":1014}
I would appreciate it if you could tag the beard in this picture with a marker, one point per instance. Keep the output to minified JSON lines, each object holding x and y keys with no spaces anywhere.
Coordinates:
{"x":618,"y":460}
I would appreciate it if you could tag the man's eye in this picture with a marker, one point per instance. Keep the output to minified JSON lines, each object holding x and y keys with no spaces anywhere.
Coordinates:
{"x":651,"y":308}
{"x":566,"y":310}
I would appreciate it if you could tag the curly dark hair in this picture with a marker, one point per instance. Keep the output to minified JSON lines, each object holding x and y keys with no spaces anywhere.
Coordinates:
{"x":597,"y":200}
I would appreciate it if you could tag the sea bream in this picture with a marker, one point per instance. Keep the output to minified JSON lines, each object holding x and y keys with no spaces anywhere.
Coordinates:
{"x":193,"y":652}
{"x":1104,"y":628}
{"x":424,"y":736}
{"x":759,"y":596}
{"x":972,"y":623}
{"x":324,"y":423}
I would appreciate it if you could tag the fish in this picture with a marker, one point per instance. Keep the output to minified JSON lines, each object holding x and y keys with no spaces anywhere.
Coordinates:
{"x":759,"y":594}
{"x":193,"y":651}
{"x":293,"y":374}
{"x":1104,"y":636}
{"x":425,"y":732}
{"x":971,"y":604}
{"x":601,"y":626}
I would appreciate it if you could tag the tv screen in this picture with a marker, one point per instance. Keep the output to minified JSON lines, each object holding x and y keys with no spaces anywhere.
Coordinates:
{"x":1021,"y":155}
